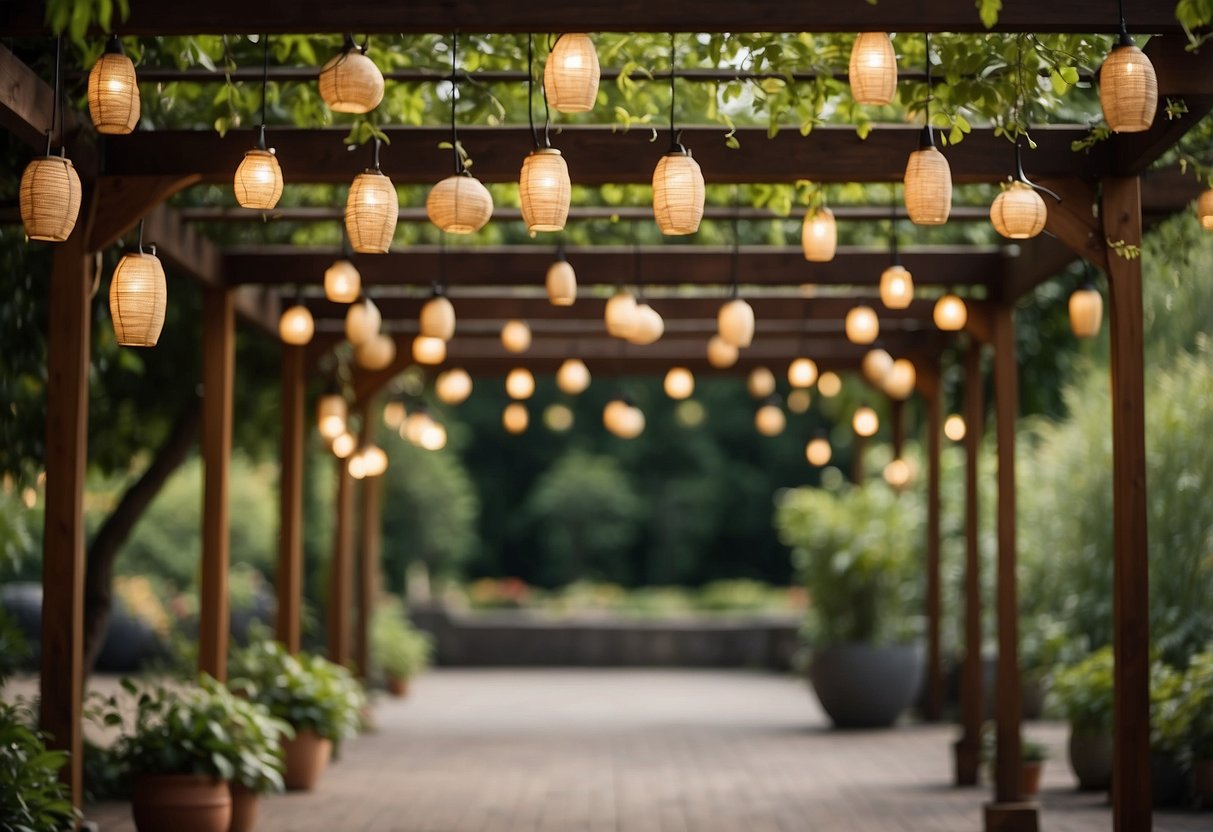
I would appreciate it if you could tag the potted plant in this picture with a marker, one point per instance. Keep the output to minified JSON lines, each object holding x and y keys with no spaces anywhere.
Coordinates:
{"x":1168,"y":735}
{"x":1033,"y":756}
{"x":320,"y":700}
{"x":855,"y":551}
{"x":398,"y":648}
{"x":1195,"y":709}
{"x":1083,"y":694}
{"x":32,"y":797}
{"x":260,"y":766}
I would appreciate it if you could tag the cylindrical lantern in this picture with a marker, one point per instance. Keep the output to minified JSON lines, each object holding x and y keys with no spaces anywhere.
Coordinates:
{"x":678,"y":194}
{"x":829,"y":385}
{"x":928,"y":184}
{"x":954,"y":427}
{"x":453,"y":386}
{"x":375,"y":460}
{"x":561,"y":283}
{"x":573,"y":377}
{"x":951,"y":314}
{"x":862,"y":325}
{"x":520,"y":384}
{"x":818,"y":451}
{"x":802,"y":372}
{"x":896,"y":287}
{"x":394,"y":413}
{"x":900,"y":380}
{"x":371,"y":211}
{"x":648,"y":326}
{"x":516,"y":336}
{"x":138,"y":297}
{"x":1086,"y":311}
{"x":558,"y":417}
{"x":50,"y":198}
{"x":769,"y":420}
{"x":721,"y":353}
{"x":258,"y":181}
{"x":799,"y":400}
{"x":437,"y":319}
{"x":1204,"y":210}
{"x":344,"y":445}
{"x":113,"y":92}
{"x":342,"y":282}
{"x":362,"y":322}
{"x":433,"y":438}
{"x":679,"y":383}
{"x":898,"y":474}
{"x":865,"y":422}
{"x":376,"y":354}
{"x":429,"y":350}
{"x":873,"y":69}
{"x":296,"y":325}
{"x":876,"y":365}
{"x":1128,"y":89}
{"x":544,"y":190}
{"x":819,"y":236}
{"x":620,"y":315}
{"x":331,"y":413}
{"x":350,"y":82}
{"x":514,"y":418}
{"x":570,"y":77}
{"x":760,"y":382}
{"x":735,"y":322}
{"x":1018,"y":212}
{"x":459,"y":204}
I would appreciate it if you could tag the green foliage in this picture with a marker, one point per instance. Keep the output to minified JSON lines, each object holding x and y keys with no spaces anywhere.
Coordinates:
{"x":1083,"y":693}
{"x":398,"y":648}
{"x":1194,"y":15}
{"x":1168,"y":728}
{"x":1194,"y":706}
{"x":32,"y":797}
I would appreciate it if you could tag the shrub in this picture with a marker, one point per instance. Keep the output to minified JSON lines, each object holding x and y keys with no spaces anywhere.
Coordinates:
{"x":398,"y":648}
{"x":1083,"y":693}
{"x":32,"y":797}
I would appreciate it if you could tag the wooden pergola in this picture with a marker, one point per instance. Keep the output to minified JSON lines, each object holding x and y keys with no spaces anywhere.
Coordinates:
{"x":1107,"y":195}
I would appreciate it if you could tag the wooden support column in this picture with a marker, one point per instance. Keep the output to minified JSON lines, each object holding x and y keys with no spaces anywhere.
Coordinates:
{"x":897,"y":425}
{"x":933,"y":706}
{"x":858,"y":446}
{"x":1131,"y":793}
{"x":368,"y":571}
{"x":290,"y":535}
{"x":218,"y":367}
{"x":972,"y":695}
{"x":341,"y":574}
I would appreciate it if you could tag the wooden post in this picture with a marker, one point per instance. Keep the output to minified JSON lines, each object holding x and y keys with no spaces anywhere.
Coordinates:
{"x":858,"y":446}
{"x":933,"y":707}
{"x":897,"y":426}
{"x":1131,"y":792}
{"x":341,"y":574}
{"x":290,"y":485}
{"x":972,"y":695}
{"x":218,"y":366}
{"x":368,"y":571}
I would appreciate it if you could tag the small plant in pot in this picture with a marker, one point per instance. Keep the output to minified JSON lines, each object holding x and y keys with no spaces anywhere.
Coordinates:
{"x":399,"y":649}
{"x":856,"y":551}
{"x":1032,"y":757}
{"x":1083,"y":694}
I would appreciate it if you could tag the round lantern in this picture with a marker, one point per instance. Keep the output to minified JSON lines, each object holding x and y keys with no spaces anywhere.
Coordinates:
{"x":350,"y":82}
{"x":769,"y":420}
{"x":620,"y":314}
{"x":623,"y":419}
{"x":928,"y":184}
{"x":437,"y":319}
{"x":819,"y":236}
{"x":138,"y":297}
{"x":371,"y":211}
{"x":561,"y":283}
{"x":760,"y":382}
{"x":865,"y":422}
{"x":721,"y":353}
{"x":898,"y":474}
{"x":344,"y":445}
{"x":1128,"y":89}
{"x":570,"y":77}
{"x":376,"y":354}
{"x":558,"y":418}
{"x":1018,"y":212}
{"x":544,"y":190}
{"x":394,"y":414}
{"x":515,"y":418}
{"x":802,"y":372}
{"x":453,"y":386}
{"x":951,"y":314}
{"x":900,"y":380}
{"x":50,"y":198}
{"x":954,"y":427}
{"x":678,"y":194}
{"x":331,"y":413}
{"x":649,"y":326}
{"x":113,"y":92}
{"x":356,"y":465}
{"x":862,"y":325}
{"x":516,"y":336}
{"x":342,"y":282}
{"x":896,"y":287}
{"x":818,"y":451}
{"x":459,"y":204}
{"x":520,"y":384}
{"x":876,"y":365}
{"x":296,"y":325}
{"x":679,"y":383}
{"x":873,"y":69}
{"x":735,"y":322}
{"x":829,"y":385}
{"x":1086,"y":311}
{"x":1204,"y":210}
{"x":375,"y":460}
{"x":433,"y":438}
{"x":258,"y":181}
{"x":415,"y":427}
{"x":799,"y":400}
{"x":362,"y":321}
{"x":573,"y":377}
{"x":428,"y":350}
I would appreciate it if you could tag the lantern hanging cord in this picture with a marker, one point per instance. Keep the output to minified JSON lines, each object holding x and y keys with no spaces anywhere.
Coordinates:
{"x":1023,"y":177}
{"x":55,"y":106}
{"x":675,"y":134}
{"x":1125,"y":40}
{"x":893,"y":228}
{"x":454,"y":95}
{"x":440,"y":287}
{"x":560,"y":246}
{"x":530,"y":86}
{"x":928,"y":136}
{"x":265,"y":83}
{"x":140,"y":243}
{"x":376,"y":144}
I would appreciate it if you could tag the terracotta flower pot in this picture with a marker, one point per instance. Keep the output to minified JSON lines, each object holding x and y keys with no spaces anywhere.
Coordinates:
{"x":1029,"y":777}
{"x":397,"y":686}
{"x":1202,"y":781}
{"x":181,"y":803}
{"x":307,"y":755}
{"x":245,"y":805}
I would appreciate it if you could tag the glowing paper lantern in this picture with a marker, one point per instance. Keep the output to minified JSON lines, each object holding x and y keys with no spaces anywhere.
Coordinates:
{"x":865,"y":422}
{"x":113,"y":91}
{"x":331,"y":413}
{"x":950,"y":313}
{"x":721,"y":353}
{"x":900,"y":380}
{"x":544,"y":190}
{"x":678,"y":194}
{"x":343,"y":445}
{"x":735,"y":323}
{"x":876,"y":365}
{"x":394,"y":414}
{"x":648,"y":326}
{"x":761,"y":382}
{"x":138,"y":297}
{"x":362,"y":321}
{"x":829,"y":385}
{"x":258,"y":180}
{"x":516,"y":336}
{"x":928,"y":184}
{"x":371,"y":211}
{"x":374,"y":460}
{"x":561,"y":283}
{"x":679,"y":383}
{"x":520,"y":384}
{"x":376,"y":354}
{"x":799,"y":400}
{"x":459,"y":204}
{"x":50,"y":198}
{"x":350,"y":82}
{"x":898,"y":474}
{"x":453,"y":386}
{"x":573,"y":377}
{"x":769,"y":420}
{"x":620,"y":314}
{"x":818,"y":451}
{"x":819,"y":236}
{"x":954,"y":427}
{"x":571,"y":75}
{"x":873,"y":69}
{"x":1086,"y":311}
{"x":802,"y":372}
{"x":1128,"y":89}
{"x":896,"y":287}
{"x":428,"y":350}
{"x":862,"y":325}
{"x":342,"y":282}
{"x":515,"y":418}
{"x":1018,"y":212}
{"x":296,"y":325}
{"x":437,"y":318}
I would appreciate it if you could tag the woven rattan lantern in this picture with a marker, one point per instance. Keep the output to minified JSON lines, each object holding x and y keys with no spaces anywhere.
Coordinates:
{"x":954,"y":427}
{"x":862,"y":325}
{"x":900,"y":380}
{"x":296,"y":325}
{"x":113,"y":91}
{"x":376,"y":354}
{"x":928,"y":183}
{"x":1018,"y":212}
{"x":623,"y":419}
{"x":818,"y":451}
{"x":865,"y":422}
{"x":375,"y":460}
{"x":350,"y":82}
{"x":516,"y":336}
{"x":829,"y":385}
{"x":344,"y":445}
{"x":1086,"y":311}
{"x":951,"y":314}
{"x":760,"y":383}
{"x":561,"y":283}
{"x":544,"y":190}
{"x":770,"y":420}
{"x":819,"y":236}
{"x":342,"y":282}
{"x":418,"y":422}
{"x":138,"y":296}
{"x":371,"y":210}
{"x":429,"y":350}
{"x":258,"y":181}
{"x":1204,"y":210}
{"x":570,"y":77}
{"x":520,"y":384}
{"x":721,"y":354}
{"x":620,"y":315}
{"x":873,"y":69}
{"x":50,"y":198}
{"x":679,"y":383}
{"x":678,"y":193}
{"x":1128,"y":87}
{"x":453,"y":386}
{"x":876,"y":365}
{"x":362,"y":321}
{"x":735,"y":322}
{"x":896,"y":287}
{"x":515,"y":418}
{"x":459,"y":204}
{"x":433,"y":438}
{"x":573,"y":377}
{"x":331,"y":414}
{"x":898,"y":474}
{"x":437,"y":319}
{"x":802,"y":373}
{"x":648,"y":326}
{"x":356,"y":466}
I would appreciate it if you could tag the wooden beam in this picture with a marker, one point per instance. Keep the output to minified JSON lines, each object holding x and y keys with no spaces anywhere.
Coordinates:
{"x":25,"y":111}
{"x":932,"y":392}
{"x":341,"y":569}
{"x":289,"y":582}
{"x":370,"y":548}
{"x":1072,"y":228}
{"x":218,"y":369}
{"x":126,"y":199}
{"x":972,"y":695}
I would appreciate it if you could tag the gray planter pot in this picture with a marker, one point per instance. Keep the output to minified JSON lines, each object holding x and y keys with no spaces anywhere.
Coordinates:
{"x":1091,"y":759}
{"x":863,"y":686}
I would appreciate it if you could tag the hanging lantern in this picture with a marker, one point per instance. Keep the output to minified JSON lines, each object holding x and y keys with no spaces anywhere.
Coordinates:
{"x":799,"y":400}
{"x":433,"y":438}
{"x":951,"y":314}
{"x":760,"y":382}
{"x":876,"y":365}
{"x":258,"y":182}
{"x":331,"y":414}
{"x":928,"y":183}
{"x":344,"y":445}
{"x":1128,"y":88}
{"x":819,"y":236}
{"x":561,"y":283}
{"x":1086,"y":311}
{"x":954,"y":427}
{"x":873,"y":69}
{"x":342,"y":282}
{"x":614,"y":413}
{"x":516,"y":336}
{"x":648,"y":326}
{"x":371,"y":211}
{"x":896,"y":287}
{"x":721,"y":354}
{"x":520,"y":384}
{"x":1018,"y":212}
{"x":623,"y":419}
{"x":558,"y":418}
{"x":362,"y":321}
{"x":829,"y":385}
{"x":356,"y":466}
{"x":570,"y":77}
{"x":437,"y":319}
{"x":394,"y":414}
{"x":898,"y":474}
{"x":374,"y":460}
{"x":573,"y":377}
{"x":900,"y":380}
{"x":428,"y":350}
{"x":862,"y":325}
{"x":415,"y":427}
{"x":735,"y":323}
{"x":350,"y":82}
{"x":296,"y":325}
{"x":769,"y":420}
{"x":678,"y":193}
{"x":459,"y":204}
{"x":50,"y":198}
{"x":453,"y":386}
{"x":376,"y":354}
{"x":802,"y":372}
{"x":514,"y":418}
{"x":679,"y":383}
{"x":818,"y":451}
{"x":620,"y":314}
{"x":865,"y":422}
{"x":113,"y":91}
{"x":138,"y":297}
{"x":544,"y":190}
{"x":1204,"y":210}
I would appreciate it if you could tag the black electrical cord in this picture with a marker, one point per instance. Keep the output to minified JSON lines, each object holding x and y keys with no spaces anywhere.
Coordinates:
{"x":56,"y":106}
{"x":265,"y":83}
{"x":454,"y":91}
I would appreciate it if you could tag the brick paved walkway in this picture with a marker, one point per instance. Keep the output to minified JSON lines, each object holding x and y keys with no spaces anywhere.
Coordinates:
{"x":646,"y":751}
